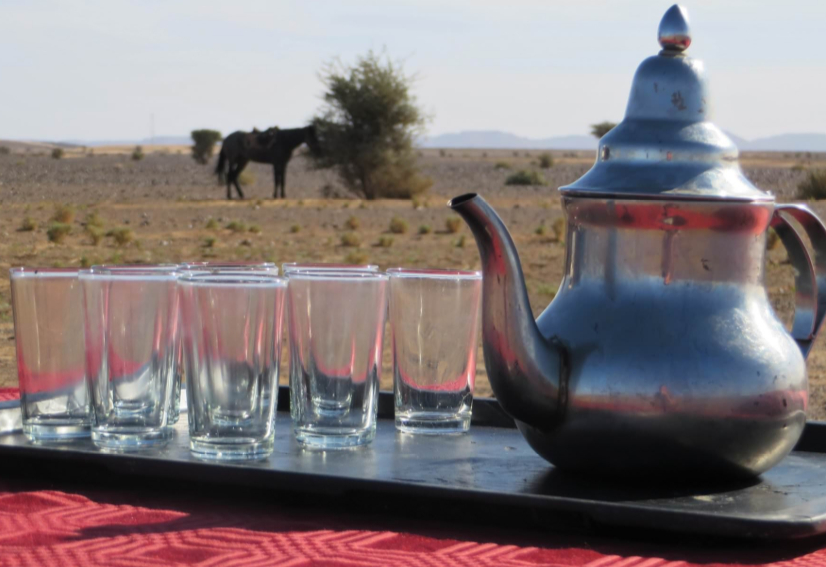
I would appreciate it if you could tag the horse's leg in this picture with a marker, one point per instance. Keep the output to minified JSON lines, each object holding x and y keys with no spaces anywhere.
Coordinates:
{"x":229,"y":181}
{"x":241,"y":165}
{"x":283,"y":179}
{"x":275,"y":180}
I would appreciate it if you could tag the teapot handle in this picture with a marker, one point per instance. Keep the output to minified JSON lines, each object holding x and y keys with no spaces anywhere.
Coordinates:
{"x":810,"y":276}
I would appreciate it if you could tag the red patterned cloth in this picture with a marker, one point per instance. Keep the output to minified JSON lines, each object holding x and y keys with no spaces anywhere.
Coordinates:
{"x":7,"y":394}
{"x":53,"y":523}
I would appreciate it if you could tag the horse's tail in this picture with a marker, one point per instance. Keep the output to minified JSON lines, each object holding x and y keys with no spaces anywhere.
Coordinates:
{"x":219,"y":169}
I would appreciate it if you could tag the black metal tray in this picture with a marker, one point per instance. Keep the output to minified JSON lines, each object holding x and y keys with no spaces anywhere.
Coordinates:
{"x":492,"y":469}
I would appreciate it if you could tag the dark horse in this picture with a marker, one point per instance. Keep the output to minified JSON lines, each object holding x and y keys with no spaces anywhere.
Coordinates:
{"x":273,"y":146}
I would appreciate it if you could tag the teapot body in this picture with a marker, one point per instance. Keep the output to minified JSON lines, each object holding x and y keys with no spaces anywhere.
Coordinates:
{"x":676,"y":362}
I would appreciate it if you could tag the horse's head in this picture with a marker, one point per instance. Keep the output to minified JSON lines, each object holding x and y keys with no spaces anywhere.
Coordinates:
{"x":311,"y":140}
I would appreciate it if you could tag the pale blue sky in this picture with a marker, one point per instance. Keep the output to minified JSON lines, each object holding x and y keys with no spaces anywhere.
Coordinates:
{"x":98,"y":69}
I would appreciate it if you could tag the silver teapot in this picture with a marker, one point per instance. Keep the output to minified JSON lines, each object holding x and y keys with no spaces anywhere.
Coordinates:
{"x":660,"y":353}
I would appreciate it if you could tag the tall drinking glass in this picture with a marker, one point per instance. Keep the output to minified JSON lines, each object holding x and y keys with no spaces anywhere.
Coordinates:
{"x":336,"y":330}
{"x":47,"y":304}
{"x":205,"y":267}
{"x":233,"y":351}
{"x":131,"y":337}
{"x":434,"y":320}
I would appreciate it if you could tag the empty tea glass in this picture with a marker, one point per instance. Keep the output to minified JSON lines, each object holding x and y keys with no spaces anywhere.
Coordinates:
{"x":47,"y":305}
{"x":434,"y":317}
{"x":336,"y":331}
{"x":131,"y":336}
{"x":315,"y":266}
{"x":232,"y":350}
{"x":205,"y":267}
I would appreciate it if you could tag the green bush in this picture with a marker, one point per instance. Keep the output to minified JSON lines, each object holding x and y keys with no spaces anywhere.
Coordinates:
{"x":385,"y":241}
{"x":209,"y":242}
{"x":526,"y":177}
{"x":137,"y":153}
{"x":813,"y":187}
{"x":367,"y":129}
{"x":546,"y":160}
{"x":57,"y":153}
{"x":599,"y":130}
{"x":93,"y":220}
{"x":255,"y":229}
{"x":502,"y":165}
{"x":350,"y":239}
{"x":398,"y":225}
{"x":295,"y":229}
{"x":211,"y":224}
{"x":453,"y":224}
{"x":424,"y":229}
{"x":58,"y":231}
{"x":204,"y":144}
{"x":540,"y":230}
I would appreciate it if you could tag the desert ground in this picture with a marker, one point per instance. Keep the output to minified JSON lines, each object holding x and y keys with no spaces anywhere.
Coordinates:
{"x":176,"y":212}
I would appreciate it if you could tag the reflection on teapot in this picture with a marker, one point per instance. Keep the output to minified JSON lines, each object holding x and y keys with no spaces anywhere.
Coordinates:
{"x":660,"y":353}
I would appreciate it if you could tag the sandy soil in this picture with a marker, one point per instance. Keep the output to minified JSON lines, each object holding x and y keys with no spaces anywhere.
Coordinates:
{"x":167,"y":200}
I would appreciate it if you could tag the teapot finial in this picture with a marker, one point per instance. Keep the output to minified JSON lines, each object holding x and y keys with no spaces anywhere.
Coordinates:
{"x":674,"y":34}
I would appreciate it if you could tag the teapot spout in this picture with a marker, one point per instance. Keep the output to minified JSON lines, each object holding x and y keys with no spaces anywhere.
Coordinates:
{"x":528,"y":373}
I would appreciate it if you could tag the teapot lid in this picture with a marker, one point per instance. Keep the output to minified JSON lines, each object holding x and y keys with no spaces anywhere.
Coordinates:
{"x":666,"y":147}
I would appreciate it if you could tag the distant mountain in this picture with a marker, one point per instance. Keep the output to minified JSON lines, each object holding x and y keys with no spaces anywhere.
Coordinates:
{"x":157,"y":140}
{"x":492,"y":139}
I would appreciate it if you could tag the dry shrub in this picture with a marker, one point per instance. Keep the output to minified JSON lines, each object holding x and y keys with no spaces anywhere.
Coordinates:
{"x":424,"y":229}
{"x":385,"y":242}
{"x":255,"y":229}
{"x":453,"y":224}
{"x":398,"y":225}
{"x":95,"y":233}
{"x":28,"y":225}
{"x":211,"y":224}
{"x":58,"y":231}
{"x":246,"y":178}
{"x":526,"y":177}
{"x":350,"y":239}
{"x":64,"y":214}
{"x":813,"y":187}
{"x":295,"y":229}
{"x":209,"y":242}
{"x":236,"y":226}
{"x":356,"y":258}
{"x":121,"y":235}
{"x":559,"y":229}
{"x":352,"y":223}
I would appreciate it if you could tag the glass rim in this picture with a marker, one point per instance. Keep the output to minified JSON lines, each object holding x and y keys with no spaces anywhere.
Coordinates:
{"x":34,"y":272}
{"x":137,"y":268}
{"x":229,"y":264}
{"x":241,"y":278}
{"x":434,"y":273}
{"x":318,"y":275}
{"x":331,"y":266}
{"x":137,"y":271}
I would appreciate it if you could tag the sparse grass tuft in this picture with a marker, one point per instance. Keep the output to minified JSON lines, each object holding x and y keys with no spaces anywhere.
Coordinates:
{"x":547,"y":290}
{"x":526,"y":177}
{"x":453,"y":224}
{"x":137,"y":153}
{"x":460,"y":242}
{"x":424,"y":229}
{"x":246,"y":178}
{"x":57,"y":153}
{"x":813,"y":187}
{"x":295,"y":229}
{"x":211,"y":224}
{"x":350,"y":239}
{"x":58,"y":231}
{"x":356,"y":258}
{"x":385,"y":241}
{"x":28,"y":225}
{"x":86,"y":262}
{"x":95,"y":233}
{"x":541,"y":230}
{"x":546,"y":160}
{"x":352,"y":223}
{"x":559,"y":228}
{"x":63,"y":214}
{"x":398,"y":225}
{"x":236,"y":226}
{"x":209,"y":242}
{"x":93,"y":220}
{"x":419,"y":203}
{"x":121,"y":235}
{"x":502,"y":165}
{"x":772,"y":239}
{"x":798,"y":167}
{"x":255,"y":229}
